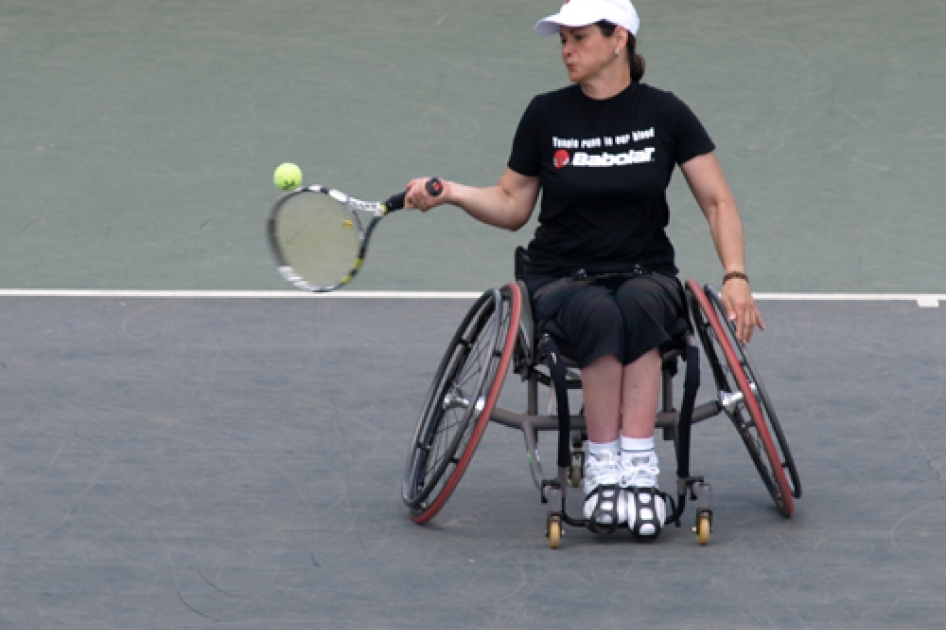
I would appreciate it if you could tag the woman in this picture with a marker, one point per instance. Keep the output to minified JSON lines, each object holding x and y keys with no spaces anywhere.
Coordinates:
{"x":602,"y":151}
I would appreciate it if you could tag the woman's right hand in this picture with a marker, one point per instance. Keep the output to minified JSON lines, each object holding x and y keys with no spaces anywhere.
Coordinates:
{"x":420,"y":198}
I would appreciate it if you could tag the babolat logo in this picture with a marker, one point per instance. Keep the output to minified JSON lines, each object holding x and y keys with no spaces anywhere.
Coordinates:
{"x":613,"y":159}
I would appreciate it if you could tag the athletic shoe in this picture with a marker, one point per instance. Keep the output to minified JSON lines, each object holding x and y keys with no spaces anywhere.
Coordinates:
{"x":605,"y":505}
{"x":639,"y":470}
{"x":646,"y":510}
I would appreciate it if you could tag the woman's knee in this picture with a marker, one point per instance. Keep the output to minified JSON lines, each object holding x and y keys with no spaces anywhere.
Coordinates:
{"x":592,"y":315}
{"x":648,"y":298}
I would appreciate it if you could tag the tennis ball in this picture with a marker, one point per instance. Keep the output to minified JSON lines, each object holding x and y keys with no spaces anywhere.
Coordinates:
{"x":287,"y":176}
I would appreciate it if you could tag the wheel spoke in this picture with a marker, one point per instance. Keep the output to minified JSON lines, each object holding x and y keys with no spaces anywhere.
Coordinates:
{"x":460,"y":401}
{"x":741,"y":395}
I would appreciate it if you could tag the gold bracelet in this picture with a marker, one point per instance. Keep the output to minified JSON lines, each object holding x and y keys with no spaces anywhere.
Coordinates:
{"x":735,"y":274}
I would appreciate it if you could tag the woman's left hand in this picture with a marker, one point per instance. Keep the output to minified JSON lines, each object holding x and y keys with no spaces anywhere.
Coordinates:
{"x":741,"y":308}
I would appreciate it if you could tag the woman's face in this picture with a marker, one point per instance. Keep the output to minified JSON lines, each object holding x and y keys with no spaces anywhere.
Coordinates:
{"x":586,"y":51}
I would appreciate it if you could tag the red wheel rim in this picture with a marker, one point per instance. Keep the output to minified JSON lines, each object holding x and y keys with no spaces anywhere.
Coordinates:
{"x":515,"y":312}
{"x":752,"y":405}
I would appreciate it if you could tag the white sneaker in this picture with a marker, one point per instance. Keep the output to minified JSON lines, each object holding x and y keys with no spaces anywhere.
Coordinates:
{"x":605,"y":504}
{"x":646,"y":512}
{"x":645,"y":507}
{"x":639,"y":470}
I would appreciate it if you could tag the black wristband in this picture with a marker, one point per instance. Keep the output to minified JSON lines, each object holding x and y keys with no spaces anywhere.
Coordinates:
{"x":735,"y":274}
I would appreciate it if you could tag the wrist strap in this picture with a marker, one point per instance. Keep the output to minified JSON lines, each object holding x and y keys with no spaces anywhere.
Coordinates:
{"x":735,"y":275}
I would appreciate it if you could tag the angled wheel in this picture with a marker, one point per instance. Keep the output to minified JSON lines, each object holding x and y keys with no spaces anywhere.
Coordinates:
{"x":460,"y":401}
{"x":762,"y":396}
{"x":743,"y":398}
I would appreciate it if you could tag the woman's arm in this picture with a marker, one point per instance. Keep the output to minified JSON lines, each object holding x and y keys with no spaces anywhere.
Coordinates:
{"x":507,"y":205}
{"x":708,"y":184}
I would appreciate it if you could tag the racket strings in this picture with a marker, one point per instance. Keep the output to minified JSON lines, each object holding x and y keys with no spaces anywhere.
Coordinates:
{"x":319,"y":238}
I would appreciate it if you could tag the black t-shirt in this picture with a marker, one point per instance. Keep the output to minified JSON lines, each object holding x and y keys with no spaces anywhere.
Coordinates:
{"x":604,"y":167}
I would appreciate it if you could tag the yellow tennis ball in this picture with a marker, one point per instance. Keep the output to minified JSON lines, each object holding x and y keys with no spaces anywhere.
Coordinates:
{"x":288,"y":176}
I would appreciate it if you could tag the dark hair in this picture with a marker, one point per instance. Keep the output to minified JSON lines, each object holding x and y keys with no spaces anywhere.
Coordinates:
{"x":636,"y":61}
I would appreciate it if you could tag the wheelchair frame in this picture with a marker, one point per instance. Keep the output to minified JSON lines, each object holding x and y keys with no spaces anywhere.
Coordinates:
{"x":498,"y":333}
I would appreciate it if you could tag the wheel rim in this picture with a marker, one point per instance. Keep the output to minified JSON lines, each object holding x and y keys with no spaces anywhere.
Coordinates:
{"x":447,"y":410}
{"x":765,"y":403}
{"x":429,"y":479}
{"x":744,"y":412}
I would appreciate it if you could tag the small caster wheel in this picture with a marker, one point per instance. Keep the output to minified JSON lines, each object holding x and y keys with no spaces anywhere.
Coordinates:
{"x":574,"y":475}
{"x":555,"y":532}
{"x":578,"y":462}
{"x":703,"y":528}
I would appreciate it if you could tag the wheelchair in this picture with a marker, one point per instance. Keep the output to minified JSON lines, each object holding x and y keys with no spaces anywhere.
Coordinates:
{"x":498,"y":336}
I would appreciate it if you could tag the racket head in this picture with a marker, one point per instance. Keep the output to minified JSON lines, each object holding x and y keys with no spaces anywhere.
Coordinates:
{"x":316,"y":238}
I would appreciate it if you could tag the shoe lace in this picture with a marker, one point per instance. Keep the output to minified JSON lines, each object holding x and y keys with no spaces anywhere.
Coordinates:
{"x":603,"y":468}
{"x":639,"y":467}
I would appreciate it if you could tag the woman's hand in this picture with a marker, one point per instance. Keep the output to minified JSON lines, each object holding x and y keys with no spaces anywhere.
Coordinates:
{"x":740,"y":308}
{"x":420,"y":198}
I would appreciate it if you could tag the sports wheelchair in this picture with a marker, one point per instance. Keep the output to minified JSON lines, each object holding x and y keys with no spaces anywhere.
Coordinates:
{"x":498,"y":334}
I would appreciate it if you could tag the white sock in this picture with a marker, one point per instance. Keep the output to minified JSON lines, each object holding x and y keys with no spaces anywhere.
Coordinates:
{"x":638,"y":446}
{"x":596,"y":448}
{"x":639,"y":462}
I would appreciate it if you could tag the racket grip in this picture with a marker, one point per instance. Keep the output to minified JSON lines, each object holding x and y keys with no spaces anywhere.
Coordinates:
{"x":434,"y":188}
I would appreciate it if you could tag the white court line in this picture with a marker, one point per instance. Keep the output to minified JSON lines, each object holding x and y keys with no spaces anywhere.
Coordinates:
{"x":922,"y":299}
{"x":256,"y":295}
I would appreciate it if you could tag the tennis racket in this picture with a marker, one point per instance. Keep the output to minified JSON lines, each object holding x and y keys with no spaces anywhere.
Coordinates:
{"x":319,"y":240}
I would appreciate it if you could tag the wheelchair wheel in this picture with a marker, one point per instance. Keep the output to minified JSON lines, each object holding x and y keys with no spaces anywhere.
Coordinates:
{"x":460,"y":401}
{"x":743,"y":397}
{"x":762,"y":396}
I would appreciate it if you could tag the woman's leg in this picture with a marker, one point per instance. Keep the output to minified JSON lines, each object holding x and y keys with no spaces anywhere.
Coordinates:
{"x":601,"y":385}
{"x":639,"y":464}
{"x":604,"y":504}
{"x":613,"y":391}
{"x":621,"y":408}
{"x":640,"y":393}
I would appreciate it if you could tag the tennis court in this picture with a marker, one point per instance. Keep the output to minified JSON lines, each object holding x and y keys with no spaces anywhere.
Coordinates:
{"x":186,"y":444}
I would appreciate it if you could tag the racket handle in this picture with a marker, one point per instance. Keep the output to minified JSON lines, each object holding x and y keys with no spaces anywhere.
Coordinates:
{"x":434,"y":188}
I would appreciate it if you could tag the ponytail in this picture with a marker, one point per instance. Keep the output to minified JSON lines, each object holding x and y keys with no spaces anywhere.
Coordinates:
{"x":636,"y":61}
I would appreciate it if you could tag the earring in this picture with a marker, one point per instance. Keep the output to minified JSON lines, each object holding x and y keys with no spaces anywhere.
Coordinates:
{"x":617,"y":53}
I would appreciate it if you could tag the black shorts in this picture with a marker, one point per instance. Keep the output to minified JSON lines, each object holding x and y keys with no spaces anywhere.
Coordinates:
{"x":626,"y":317}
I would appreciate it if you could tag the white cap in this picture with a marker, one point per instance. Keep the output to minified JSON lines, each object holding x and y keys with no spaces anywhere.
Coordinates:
{"x":585,"y":12}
